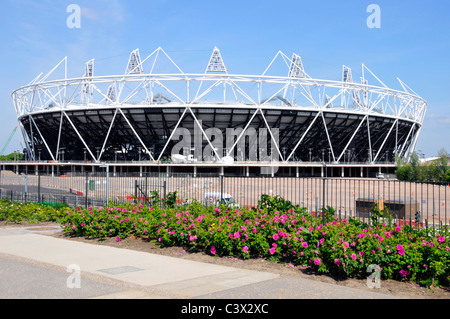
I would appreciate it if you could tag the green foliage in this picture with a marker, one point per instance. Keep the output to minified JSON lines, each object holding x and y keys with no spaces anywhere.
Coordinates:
{"x":434,"y":172}
{"x":274,"y":203}
{"x":12,"y":156}
{"x":171,"y":199}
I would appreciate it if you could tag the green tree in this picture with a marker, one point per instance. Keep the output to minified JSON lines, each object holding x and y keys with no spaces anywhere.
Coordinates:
{"x":415,"y":166}
{"x":442,"y":164}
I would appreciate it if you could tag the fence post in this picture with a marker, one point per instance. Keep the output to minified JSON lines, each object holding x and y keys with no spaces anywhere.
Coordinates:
{"x":323,"y":192}
{"x":86,"y":195}
{"x":26,"y":186}
{"x":39,"y":187}
{"x":221,"y":188}
{"x":165,"y":190}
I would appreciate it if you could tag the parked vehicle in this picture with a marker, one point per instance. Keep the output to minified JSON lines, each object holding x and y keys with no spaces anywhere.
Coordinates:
{"x":380,"y":176}
{"x":214,"y":198}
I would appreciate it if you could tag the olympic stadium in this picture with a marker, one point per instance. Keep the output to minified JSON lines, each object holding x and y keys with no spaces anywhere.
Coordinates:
{"x":229,"y":120}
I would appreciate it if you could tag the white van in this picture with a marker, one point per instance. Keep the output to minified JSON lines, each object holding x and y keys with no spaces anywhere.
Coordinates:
{"x":381,"y":176}
{"x":213,"y":198}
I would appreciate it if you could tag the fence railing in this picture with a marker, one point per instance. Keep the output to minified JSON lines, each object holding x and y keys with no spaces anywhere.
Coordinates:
{"x":408,"y":202}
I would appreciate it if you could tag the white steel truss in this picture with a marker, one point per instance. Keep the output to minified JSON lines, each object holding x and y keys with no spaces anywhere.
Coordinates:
{"x":296,"y":92}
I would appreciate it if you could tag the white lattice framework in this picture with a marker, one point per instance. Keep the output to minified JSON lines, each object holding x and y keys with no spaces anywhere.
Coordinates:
{"x":142,"y":87}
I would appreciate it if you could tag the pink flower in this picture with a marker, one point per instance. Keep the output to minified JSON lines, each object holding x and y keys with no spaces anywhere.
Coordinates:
{"x":237,"y":235}
{"x":404,"y":273}
{"x":73,"y":227}
{"x":337,"y":261}
{"x":245,"y":249}
{"x":304,"y":244}
{"x":82,"y":224}
{"x":275,"y":237}
{"x":272,"y":250}
{"x":345,"y":245}
{"x":354,"y":256}
{"x":441,"y":239}
{"x":317,"y":262}
{"x":118,"y":239}
{"x":213,"y":250}
{"x":397,"y":229}
{"x":400,"y":249}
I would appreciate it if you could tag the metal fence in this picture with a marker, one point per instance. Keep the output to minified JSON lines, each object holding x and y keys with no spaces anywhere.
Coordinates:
{"x":409,"y":203}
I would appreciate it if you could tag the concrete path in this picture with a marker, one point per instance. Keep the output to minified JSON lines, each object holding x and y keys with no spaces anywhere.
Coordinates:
{"x":35,"y":265}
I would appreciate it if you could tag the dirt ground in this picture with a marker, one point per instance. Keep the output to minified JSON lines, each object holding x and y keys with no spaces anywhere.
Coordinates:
{"x":403,"y":290}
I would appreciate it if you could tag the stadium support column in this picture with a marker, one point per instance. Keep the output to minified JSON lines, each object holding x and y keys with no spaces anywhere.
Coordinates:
{"x":362,"y":172}
{"x":195,"y":171}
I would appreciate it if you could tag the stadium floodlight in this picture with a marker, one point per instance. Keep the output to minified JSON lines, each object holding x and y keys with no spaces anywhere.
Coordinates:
{"x":296,"y":69}
{"x":346,"y":74}
{"x":134,"y":63}
{"x":216,"y":63}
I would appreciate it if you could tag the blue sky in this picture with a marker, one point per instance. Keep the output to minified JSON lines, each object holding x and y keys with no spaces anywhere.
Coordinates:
{"x":413,"y":43}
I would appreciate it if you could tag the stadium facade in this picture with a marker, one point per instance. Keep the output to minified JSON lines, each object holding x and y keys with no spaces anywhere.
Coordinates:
{"x":224,"y":120}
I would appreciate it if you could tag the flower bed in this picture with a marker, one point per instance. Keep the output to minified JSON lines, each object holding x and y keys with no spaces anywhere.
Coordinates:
{"x":343,"y":248}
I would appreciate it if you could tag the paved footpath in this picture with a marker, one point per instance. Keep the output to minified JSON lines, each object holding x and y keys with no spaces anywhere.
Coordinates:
{"x":34,"y":265}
